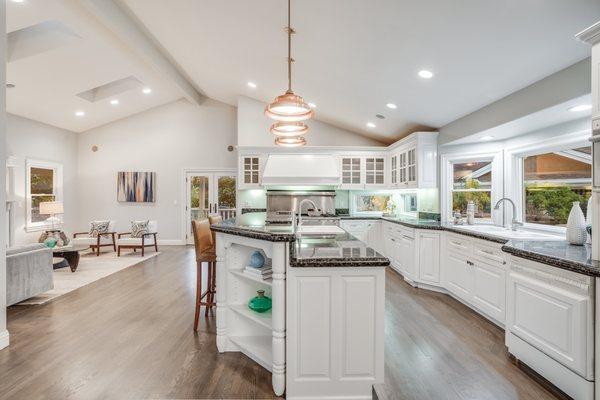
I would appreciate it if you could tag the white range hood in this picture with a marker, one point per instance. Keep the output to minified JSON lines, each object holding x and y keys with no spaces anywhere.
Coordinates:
{"x":301,"y":170}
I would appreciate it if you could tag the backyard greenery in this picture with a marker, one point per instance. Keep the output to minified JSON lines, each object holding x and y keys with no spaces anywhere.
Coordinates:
{"x":551,"y":205}
{"x":482,"y":200}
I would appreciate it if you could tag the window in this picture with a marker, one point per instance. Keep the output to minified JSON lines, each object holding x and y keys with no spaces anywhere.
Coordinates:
{"x":552,"y":181}
{"x":472,"y":181}
{"x":372,"y":203}
{"x":44,"y":183}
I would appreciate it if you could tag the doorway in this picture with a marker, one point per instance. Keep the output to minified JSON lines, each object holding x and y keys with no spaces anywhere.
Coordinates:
{"x":209,"y":193}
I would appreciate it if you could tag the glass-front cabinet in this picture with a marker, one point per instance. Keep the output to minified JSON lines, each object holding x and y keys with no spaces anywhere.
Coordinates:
{"x":375,"y":171}
{"x":394,"y":171}
{"x":250,"y":171}
{"x":352,"y":172}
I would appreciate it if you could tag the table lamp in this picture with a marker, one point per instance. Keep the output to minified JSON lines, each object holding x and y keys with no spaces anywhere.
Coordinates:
{"x":52,"y":208}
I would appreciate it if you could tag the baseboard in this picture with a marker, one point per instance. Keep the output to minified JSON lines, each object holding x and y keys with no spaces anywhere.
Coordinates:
{"x":171,"y":242}
{"x":4,"y":339}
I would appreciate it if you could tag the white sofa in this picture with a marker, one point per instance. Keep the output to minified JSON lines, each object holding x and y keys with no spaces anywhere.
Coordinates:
{"x":95,"y":243}
{"x":125,"y":241}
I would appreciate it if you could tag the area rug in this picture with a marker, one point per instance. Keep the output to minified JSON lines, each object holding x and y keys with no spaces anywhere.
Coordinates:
{"x":91,"y":268}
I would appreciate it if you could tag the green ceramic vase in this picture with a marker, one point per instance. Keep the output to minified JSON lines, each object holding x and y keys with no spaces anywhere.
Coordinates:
{"x":260,"y":303}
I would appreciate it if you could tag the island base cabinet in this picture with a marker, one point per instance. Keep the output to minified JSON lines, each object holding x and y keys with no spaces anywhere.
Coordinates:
{"x":335,"y":332}
{"x":549,"y":324}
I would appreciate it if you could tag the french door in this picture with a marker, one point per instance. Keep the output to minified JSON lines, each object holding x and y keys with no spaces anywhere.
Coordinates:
{"x":209,"y":193}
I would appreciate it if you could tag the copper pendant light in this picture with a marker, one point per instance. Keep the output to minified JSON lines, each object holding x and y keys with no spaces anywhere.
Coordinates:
{"x":289,"y":109}
{"x":294,"y":141}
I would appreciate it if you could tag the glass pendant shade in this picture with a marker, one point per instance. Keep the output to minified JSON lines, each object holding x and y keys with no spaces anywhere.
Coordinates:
{"x":294,"y":141}
{"x":289,"y":107}
{"x":288,"y":129}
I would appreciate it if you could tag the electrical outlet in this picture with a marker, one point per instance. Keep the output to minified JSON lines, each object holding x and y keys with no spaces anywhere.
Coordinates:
{"x":596,"y":126}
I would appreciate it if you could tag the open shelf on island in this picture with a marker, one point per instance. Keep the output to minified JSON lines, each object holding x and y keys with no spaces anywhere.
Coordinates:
{"x":241,"y":274}
{"x":258,"y":348}
{"x":263,"y":319}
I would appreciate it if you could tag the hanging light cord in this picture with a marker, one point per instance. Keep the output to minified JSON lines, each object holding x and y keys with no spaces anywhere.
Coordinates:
{"x":289,"y":32}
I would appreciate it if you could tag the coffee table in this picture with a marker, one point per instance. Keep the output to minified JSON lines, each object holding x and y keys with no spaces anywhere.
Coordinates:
{"x":70,"y":255}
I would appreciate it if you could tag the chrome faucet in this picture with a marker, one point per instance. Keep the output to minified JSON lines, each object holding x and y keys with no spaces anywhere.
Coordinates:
{"x":513,"y":223}
{"x":300,"y":211}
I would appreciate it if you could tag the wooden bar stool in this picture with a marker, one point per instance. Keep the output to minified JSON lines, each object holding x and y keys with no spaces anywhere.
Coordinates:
{"x":205,"y":253}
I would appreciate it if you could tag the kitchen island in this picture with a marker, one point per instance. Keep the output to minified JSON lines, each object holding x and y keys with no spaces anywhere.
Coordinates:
{"x":324,"y":337}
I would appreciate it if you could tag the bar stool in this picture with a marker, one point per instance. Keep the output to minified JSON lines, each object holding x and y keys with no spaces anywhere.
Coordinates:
{"x":214,"y":219}
{"x":205,"y":253}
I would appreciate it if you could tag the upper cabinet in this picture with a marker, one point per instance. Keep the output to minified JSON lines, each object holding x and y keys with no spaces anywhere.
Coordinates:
{"x":375,"y":171}
{"x":416,"y":160}
{"x":352,"y":168}
{"x":363,"y":172}
{"x":250,"y":171}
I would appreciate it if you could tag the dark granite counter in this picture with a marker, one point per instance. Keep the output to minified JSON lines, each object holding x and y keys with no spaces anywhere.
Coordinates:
{"x":559,"y":254}
{"x":342,"y":250}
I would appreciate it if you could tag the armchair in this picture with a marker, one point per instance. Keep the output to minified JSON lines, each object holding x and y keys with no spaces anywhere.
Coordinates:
{"x":103,"y":240}
{"x":126,"y":241}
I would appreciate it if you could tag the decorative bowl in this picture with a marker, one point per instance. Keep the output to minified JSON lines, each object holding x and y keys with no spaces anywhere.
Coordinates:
{"x":260,"y":303}
{"x":257,"y":260}
{"x":50,"y":242}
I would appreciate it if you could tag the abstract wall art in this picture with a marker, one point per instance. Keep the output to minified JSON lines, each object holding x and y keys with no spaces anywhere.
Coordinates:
{"x":136,"y":187}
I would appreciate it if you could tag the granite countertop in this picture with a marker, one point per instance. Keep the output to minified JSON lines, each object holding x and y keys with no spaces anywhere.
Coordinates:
{"x":343,"y":250}
{"x":560,"y":254}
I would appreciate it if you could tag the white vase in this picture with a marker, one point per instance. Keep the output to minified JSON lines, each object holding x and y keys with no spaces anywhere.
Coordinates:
{"x":576,"y":233}
{"x":588,"y":219}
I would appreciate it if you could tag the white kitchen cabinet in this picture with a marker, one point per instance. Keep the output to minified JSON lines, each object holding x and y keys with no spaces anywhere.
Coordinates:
{"x":416,"y":161}
{"x":549,"y":324}
{"x":458,"y":276}
{"x":250,"y":171}
{"x":489,"y":289}
{"x":335,"y":332}
{"x":429,"y":257}
{"x":374,"y":172}
{"x":393,"y":181}
{"x":352,"y":172}
{"x":406,"y":256}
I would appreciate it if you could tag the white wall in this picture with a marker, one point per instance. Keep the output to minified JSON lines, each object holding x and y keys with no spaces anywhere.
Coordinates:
{"x":3,"y":331}
{"x":164,"y":140}
{"x":28,"y":139}
{"x":253,"y":129}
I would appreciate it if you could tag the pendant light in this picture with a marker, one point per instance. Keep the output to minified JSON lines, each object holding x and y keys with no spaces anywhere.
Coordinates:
{"x":289,"y":109}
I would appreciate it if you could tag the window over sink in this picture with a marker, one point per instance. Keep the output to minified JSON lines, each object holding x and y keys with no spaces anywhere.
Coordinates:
{"x":472,"y":181}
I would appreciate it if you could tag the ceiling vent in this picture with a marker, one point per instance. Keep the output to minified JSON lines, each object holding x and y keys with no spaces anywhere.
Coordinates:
{"x":111,"y":89}
{"x":39,"y":38}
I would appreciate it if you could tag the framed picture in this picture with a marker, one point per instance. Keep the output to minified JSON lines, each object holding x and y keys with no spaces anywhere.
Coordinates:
{"x":136,"y":187}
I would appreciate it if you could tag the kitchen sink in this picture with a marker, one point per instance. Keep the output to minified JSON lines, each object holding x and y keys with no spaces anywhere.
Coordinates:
{"x":320,"y":230}
{"x":507,"y":233}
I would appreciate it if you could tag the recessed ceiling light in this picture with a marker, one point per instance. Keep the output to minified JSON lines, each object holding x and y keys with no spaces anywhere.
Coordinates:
{"x":486,"y":138}
{"x":371,"y":125}
{"x":252,"y":85}
{"x":312,"y":105}
{"x":146,"y":90}
{"x":425,"y":74}
{"x":114,"y":102}
{"x":581,"y":107}
{"x":391,"y":105}
{"x":17,"y":1}
{"x":79,"y":113}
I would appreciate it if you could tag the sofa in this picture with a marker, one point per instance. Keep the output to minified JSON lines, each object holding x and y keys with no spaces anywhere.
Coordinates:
{"x":28,"y":272}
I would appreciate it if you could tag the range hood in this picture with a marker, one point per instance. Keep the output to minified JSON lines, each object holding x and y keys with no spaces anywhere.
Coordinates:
{"x":301,"y":170}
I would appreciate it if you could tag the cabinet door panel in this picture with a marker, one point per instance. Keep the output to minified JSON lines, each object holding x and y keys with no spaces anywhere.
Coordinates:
{"x":550,"y":318}
{"x":429,"y":257}
{"x":489,"y":290}
{"x":459,"y":277}
{"x":407,"y":255}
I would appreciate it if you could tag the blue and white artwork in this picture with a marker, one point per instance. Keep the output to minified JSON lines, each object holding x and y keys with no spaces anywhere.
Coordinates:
{"x":136,"y":187}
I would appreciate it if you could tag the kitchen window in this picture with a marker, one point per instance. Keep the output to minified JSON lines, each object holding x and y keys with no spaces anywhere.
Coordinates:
{"x":44,"y":183}
{"x":472,"y":181}
{"x":552,"y":181}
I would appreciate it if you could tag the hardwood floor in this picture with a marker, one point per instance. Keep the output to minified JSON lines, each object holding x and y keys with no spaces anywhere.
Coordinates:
{"x":130,"y":336}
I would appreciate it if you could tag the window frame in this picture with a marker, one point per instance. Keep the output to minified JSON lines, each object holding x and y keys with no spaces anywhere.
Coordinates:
{"x":58,"y":192}
{"x":447,"y":182}
{"x":514,"y":162}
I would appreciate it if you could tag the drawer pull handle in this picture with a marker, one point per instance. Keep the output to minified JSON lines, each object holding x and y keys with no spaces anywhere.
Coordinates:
{"x":487,"y":251}
{"x":470,"y":263}
{"x":407,"y":237}
{"x":456,"y":243}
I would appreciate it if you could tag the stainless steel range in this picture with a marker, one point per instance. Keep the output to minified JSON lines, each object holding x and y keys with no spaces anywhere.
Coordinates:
{"x":282,"y":207}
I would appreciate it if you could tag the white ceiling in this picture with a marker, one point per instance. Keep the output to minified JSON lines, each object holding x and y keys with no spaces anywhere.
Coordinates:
{"x":47,"y":82}
{"x":354,"y":56}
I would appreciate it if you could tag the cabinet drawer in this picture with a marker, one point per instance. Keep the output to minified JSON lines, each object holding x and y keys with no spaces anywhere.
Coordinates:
{"x":352,"y":226}
{"x":459,"y":244}
{"x":489,"y":253}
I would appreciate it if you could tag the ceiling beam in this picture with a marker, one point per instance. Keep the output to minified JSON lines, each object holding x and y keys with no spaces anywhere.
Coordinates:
{"x":120,"y":20}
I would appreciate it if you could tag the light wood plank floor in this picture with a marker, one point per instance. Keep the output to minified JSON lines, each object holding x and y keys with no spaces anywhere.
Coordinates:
{"x":129,"y":336}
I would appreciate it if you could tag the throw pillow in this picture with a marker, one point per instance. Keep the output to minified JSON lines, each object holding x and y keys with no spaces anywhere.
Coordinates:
{"x":139,"y":228}
{"x":98,"y":228}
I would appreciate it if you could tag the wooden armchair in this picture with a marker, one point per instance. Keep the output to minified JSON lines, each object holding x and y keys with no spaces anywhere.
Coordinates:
{"x":125,"y":241}
{"x":103,"y":240}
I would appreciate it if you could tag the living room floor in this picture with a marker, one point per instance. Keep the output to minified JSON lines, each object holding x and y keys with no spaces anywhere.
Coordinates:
{"x":130,"y":335}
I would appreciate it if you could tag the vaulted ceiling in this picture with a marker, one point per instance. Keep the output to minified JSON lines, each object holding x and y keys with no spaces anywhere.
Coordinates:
{"x":352,"y":56}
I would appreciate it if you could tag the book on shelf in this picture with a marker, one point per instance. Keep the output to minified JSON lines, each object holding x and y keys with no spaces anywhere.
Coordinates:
{"x":263,"y":273}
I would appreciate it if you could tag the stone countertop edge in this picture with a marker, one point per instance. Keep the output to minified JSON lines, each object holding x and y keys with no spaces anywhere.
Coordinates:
{"x":254,"y":234}
{"x":574,"y":266}
{"x":350,"y":262}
